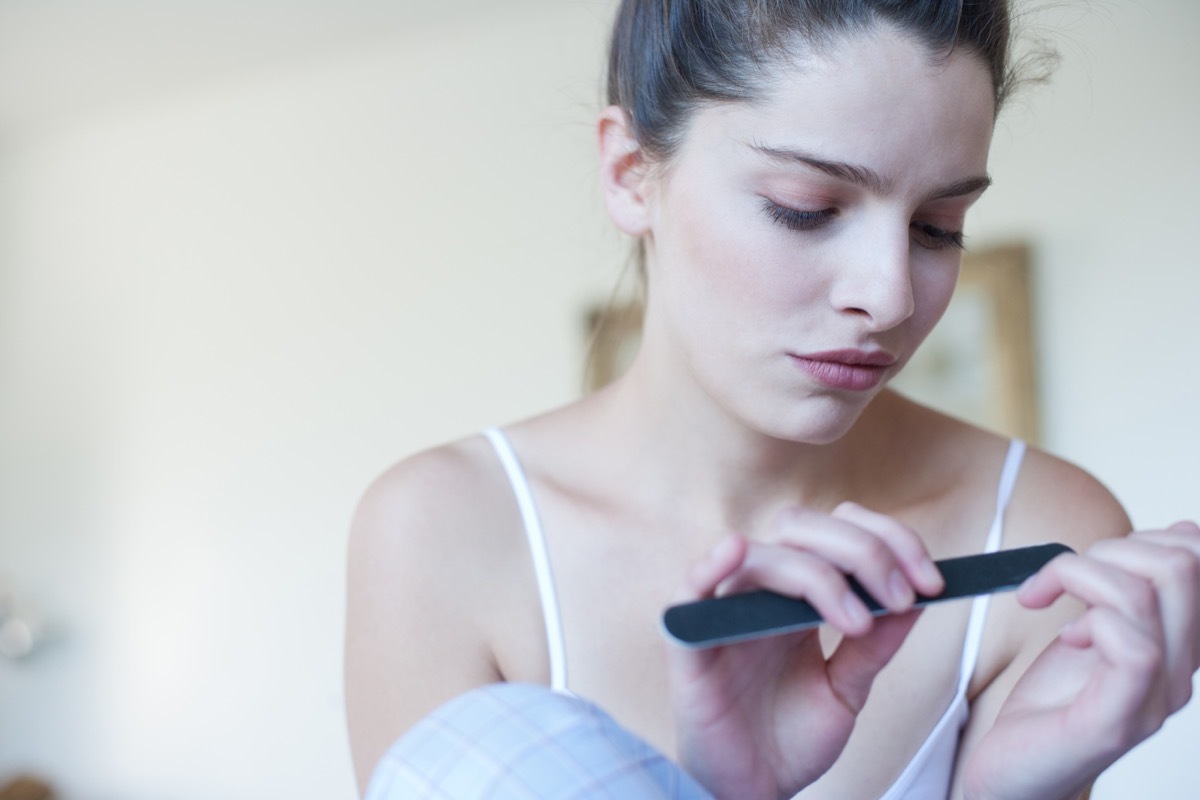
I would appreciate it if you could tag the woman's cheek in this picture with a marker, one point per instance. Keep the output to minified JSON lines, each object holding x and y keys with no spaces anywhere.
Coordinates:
{"x":933,"y":288}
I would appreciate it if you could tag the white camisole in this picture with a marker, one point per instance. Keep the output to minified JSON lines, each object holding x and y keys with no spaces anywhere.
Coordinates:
{"x":927,"y":776}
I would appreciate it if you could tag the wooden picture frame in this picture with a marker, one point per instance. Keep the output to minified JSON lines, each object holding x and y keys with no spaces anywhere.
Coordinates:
{"x":613,"y":332}
{"x":978,"y":364}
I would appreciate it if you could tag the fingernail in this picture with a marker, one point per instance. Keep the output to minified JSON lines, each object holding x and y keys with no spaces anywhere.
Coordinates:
{"x":931,"y":574}
{"x":855,"y":610}
{"x":1072,"y":632}
{"x":899,"y":590}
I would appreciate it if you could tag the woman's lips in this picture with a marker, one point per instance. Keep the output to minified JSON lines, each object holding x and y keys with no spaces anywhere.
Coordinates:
{"x":848,"y":370}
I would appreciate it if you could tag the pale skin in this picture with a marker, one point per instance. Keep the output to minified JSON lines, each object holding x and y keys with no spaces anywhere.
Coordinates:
{"x":718,"y":463}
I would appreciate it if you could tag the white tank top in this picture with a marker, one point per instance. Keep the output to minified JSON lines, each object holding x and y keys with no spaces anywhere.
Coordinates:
{"x":927,"y":776}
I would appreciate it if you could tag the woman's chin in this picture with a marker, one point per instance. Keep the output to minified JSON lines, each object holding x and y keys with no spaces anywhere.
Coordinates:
{"x":821,"y":425}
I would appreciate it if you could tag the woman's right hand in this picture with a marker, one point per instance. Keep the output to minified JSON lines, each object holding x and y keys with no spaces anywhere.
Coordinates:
{"x":1110,"y":678}
{"x":765,"y":718}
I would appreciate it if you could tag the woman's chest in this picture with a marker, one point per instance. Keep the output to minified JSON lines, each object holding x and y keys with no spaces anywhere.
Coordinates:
{"x":615,"y":653}
{"x":614,"y":578}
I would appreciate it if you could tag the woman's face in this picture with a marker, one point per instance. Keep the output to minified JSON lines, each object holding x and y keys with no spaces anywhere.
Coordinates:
{"x":801,"y":247}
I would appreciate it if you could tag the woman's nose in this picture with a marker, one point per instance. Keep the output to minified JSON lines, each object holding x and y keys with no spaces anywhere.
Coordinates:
{"x":875,"y":281}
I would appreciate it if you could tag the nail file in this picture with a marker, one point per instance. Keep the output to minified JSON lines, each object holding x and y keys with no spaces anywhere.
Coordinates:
{"x":740,"y":617}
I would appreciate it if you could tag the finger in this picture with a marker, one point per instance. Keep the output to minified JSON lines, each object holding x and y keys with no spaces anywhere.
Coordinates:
{"x":1130,"y":689}
{"x":854,"y":550}
{"x":806,"y":575}
{"x":856,"y":662}
{"x":704,"y":576}
{"x":1096,"y":583}
{"x":1185,"y":535}
{"x":700,"y":582}
{"x":1174,"y":572}
{"x":1046,"y":585}
{"x":904,"y":542}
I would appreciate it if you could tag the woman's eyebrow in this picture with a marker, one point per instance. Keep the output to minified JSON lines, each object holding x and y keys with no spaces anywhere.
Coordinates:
{"x":850,"y":173}
{"x":959,"y":188}
{"x":865,"y":177}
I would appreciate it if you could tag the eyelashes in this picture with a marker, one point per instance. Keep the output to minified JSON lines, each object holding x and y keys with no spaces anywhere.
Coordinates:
{"x":796,"y":220}
{"x":928,"y":236}
{"x":937,"y":238}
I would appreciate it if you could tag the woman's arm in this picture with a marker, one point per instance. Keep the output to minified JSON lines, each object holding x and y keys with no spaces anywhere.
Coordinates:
{"x":412,"y":598}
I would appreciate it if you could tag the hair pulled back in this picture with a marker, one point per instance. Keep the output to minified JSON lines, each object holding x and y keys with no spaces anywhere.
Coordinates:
{"x":668,"y":57}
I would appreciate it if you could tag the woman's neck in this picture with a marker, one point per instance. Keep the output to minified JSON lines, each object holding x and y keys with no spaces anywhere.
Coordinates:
{"x":703,"y":462}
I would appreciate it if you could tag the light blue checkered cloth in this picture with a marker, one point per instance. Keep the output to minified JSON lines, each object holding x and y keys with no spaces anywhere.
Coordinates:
{"x":513,"y":741}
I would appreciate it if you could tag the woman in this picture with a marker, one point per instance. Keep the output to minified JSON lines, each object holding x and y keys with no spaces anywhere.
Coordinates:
{"x":797,"y":175}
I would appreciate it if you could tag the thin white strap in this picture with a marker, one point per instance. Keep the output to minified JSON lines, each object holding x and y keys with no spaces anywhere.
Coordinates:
{"x":1008,"y":480}
{"x":540,"y":554}
{"x":956,"y":712}
{"x":973,"y":641}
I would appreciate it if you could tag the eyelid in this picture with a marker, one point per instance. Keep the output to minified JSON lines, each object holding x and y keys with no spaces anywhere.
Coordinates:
{"x":939,"y":238}
{"x":931,"y":237}
{"x":797,"y":219}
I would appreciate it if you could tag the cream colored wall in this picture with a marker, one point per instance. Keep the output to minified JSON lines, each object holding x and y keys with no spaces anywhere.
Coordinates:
{"x":223,"y":311}
{"x":1099,"y":171}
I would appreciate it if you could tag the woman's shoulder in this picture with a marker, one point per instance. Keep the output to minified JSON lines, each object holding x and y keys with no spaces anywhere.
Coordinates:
{"x":440,"y":527}
{"x":437,"y":499}
{"x":1052,"y":498}
{"x":1056,"y":499}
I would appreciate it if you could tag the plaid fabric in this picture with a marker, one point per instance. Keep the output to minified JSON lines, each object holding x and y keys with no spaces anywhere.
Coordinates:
{"x":521,"y":742}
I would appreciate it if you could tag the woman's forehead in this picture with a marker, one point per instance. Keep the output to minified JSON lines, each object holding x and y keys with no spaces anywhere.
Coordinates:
{"x":874,"y":99}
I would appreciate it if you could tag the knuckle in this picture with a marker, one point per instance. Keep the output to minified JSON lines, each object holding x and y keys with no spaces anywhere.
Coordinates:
{"x":1143,"y":599}
{"x":1145,"y":658}
{"x":825,"y":578}
{"x":816,"y":580}
{"x":1186,"y":526}
{"x":1184,"y":694}
{"x":794,"y":513}
{"x":847,"y":506}
{"x":910,"y":543}
{"x":791,"y":523}
{"x":871,"y":550}
{"x":1183,"y":566}
{"x":1119,"y":739}
{"x":901,"y":537}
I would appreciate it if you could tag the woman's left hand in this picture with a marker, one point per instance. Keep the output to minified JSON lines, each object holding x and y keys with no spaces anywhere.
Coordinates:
{"x":1111,"y":677}
{"x":765,"y":718}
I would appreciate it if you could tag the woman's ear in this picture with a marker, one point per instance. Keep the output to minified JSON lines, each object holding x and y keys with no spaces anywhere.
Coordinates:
{"x":624,"y":173}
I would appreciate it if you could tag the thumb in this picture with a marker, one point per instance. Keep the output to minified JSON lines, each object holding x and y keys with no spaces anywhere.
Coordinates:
{"x":857,"y":660}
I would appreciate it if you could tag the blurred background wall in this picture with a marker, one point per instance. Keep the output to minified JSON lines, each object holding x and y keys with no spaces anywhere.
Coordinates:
{"x":252,"y":253}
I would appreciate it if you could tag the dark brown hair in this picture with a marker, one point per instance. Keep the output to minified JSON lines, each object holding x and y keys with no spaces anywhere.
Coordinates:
{"x":667,"y":57}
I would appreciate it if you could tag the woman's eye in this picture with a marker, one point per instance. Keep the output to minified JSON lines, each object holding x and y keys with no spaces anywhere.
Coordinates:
{"x":935,"y":238}
{"x":797,"y":220}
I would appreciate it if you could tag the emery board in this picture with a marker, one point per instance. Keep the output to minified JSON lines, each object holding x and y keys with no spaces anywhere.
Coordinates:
{"x":739,"y":617}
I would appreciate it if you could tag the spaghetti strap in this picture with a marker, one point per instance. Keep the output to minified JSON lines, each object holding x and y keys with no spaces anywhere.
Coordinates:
{"x":541,"y":557}
{"x":1008,"y":481}
{"x":928,"y":773}
{"x":974,"y":638}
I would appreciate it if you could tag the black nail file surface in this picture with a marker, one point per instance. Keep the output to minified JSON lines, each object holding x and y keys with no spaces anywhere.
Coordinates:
{"x":735,"y":618}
